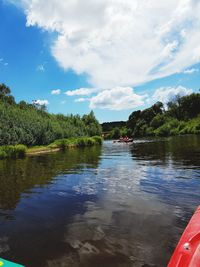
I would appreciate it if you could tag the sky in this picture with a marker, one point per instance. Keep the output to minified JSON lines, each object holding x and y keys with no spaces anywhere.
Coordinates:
{"x":109,"y":56}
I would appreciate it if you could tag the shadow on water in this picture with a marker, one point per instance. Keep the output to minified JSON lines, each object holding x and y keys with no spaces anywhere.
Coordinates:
{"x":119,"y":206}
{"x":20,"y":176}
{"x":36,"y":202}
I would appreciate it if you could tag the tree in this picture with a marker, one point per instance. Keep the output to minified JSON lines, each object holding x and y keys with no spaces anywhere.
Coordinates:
{"x":4,"y":90}
{"x":5,"y":95}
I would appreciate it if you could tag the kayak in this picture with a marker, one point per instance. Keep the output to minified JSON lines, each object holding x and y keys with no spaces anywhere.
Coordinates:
{"x":123,"y":141}
{"x":5,"y":263}
{"x":187,"y":252}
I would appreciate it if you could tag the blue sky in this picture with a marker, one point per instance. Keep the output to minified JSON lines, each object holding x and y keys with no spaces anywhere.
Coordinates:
{"x":90,"y":61}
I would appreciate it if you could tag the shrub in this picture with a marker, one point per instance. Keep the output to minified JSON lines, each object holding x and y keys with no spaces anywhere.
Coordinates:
{"x":61,"y":143}
{"x":157,"y":121}
{"x":150,"y":131}
{"x":82,"y":141}
{"x":97,"y":139}
{"x":3,"y":154}
{"x":17,"y":151}
{"x":164,"y":130}
{"x":20,"y":151}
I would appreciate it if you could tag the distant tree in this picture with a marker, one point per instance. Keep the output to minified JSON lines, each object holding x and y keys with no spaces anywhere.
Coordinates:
{"x":133,"y":118}
{"x":22,"y":104}
{"x":116,"y":133}
{"x":5,"y":94}
{"x":158,"y":107}
{"x":4,"y":90}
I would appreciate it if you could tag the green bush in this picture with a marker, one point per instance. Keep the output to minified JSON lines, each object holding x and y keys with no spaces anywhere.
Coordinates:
{"x":157,"y":121}
{"x":20,"y":151}
{"x":97,"y":139}
{"x":82,"y":141}
{"x":3,"y":154}
{"x":79,"y":141}
{"x":164,"y":130}
{"x":61,"y":143}
{"x":17,"y":151}
{"x":150,"y":131}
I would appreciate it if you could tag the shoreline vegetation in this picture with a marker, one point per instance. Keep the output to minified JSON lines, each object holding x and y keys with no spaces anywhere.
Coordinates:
{"x":30,"y":129}
{"x":179,"y":117}
{"x":20,"y":151}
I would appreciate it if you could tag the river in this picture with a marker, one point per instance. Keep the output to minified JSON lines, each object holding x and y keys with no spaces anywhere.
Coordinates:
{"x":118,"y":205}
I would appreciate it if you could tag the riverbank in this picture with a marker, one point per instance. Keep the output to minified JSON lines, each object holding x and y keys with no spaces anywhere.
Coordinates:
{"x":20,"y":151}
{"x":160,"y":127}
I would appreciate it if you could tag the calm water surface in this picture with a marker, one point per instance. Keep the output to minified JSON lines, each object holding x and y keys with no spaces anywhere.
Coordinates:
{"x":116,"y":206}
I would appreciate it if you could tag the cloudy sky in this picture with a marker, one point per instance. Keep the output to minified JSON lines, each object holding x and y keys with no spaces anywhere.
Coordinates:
{"x":112,"y":56}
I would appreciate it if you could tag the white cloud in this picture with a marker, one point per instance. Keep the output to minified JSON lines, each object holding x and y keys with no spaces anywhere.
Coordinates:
{"x":81,"y":91}
{"x":120,"y":42}
{"x":118,"y":98}
{"x":40,"y":68}
{"x":190,"y":71}
{"x":166,"y":94}
{"x":2,"y":61}
{"x":56,"y":92}
{"x":81,"y":99}
{"x":41,"y":102}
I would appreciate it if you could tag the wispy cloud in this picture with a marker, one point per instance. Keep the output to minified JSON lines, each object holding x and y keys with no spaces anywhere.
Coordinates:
{"x":82,"y":99}
{"x":190,"y":71}
{"x":56,"y":92}
{"x":41,"y":102}
{"x":40,"y":68}
{"x":2,"y":62}
{"x":81,"y":91}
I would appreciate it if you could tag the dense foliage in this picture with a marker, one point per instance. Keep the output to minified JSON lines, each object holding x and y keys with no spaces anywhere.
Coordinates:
{"x":31,"y":124}
{"x":108,"y":126}
{"x":19,"y":151}
{"x":180,"y":116}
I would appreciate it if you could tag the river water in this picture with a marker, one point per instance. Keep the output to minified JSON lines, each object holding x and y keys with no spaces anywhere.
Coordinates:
{"x":117,"y":205}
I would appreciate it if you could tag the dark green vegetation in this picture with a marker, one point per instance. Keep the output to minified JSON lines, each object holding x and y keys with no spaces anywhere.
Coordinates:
{"x":31,"y":124}
{"x":180,"y":116}
{"x":19,"y":151}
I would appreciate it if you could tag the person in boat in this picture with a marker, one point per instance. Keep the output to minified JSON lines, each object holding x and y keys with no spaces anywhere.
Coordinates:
{"x":126,"y":138}
{"x":121,"y":138}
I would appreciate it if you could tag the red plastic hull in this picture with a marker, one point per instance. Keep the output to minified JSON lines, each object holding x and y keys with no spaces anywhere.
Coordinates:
{"x":187,"y":252}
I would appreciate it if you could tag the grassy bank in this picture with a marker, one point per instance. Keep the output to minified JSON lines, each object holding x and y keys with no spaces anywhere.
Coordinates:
{"x":181,"y":115}
{"x":175,"y":127}
{"x":20,"y":151}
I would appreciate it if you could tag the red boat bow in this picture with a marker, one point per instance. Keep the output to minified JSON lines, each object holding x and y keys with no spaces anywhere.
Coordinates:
{"x":187,"y":252}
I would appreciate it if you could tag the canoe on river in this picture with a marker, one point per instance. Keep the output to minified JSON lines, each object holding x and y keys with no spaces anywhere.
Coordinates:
{"x":123,"y":141}
{"x":187,"y":252}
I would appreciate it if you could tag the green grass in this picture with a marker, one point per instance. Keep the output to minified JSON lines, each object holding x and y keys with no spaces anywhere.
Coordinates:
{"x":19,"y":151}
{"x":76,"y":142}
{"x":62,"y":144}
{"x":16,"y":151}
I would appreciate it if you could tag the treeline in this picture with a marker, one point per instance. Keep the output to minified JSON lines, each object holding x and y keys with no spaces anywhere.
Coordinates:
{"x":31,"y":124}
{"x":180,"y":116}
{"x":108,"y":126}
